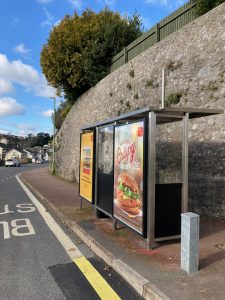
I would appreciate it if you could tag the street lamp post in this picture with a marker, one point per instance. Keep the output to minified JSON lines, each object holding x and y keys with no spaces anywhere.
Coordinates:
{"x":53,"y":156}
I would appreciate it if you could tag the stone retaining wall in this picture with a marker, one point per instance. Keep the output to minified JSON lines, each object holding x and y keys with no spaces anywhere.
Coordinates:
{"x":194,"y":58}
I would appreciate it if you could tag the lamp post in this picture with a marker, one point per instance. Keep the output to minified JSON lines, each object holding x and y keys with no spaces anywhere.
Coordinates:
{"x":53,"y":156}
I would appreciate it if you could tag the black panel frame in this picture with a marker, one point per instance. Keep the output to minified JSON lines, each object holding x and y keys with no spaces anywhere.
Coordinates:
{"x":96,"y":205}
{"x":168,"y":211}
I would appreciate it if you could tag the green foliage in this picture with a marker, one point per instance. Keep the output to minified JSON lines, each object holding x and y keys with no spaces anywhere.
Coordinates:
{"x":79,"y":49}
{"x":40,"y":139}
{"x":136,"y":96}
{"x":131,"y":73}
{"x":29,"y":141}
{"x":129,"y":86}
{"x":173,"y":98}
{"x":61,"y":113}
{"x":128,"y":105}
{"x":149,"y":83}
{"x":203,"y":6}
{"x":173,"y":65}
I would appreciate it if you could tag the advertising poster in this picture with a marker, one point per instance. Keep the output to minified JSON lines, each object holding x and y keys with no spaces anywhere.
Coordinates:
{"x":128,"y":175}
{"x":86,"y":165}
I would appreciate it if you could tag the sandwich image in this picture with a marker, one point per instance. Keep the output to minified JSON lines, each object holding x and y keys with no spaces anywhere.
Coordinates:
{"x":128,"y":196}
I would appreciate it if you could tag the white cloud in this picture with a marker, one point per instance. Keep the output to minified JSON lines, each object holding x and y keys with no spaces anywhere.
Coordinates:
{"x":76,"y":3}
{"x":48,"y":113}
{"x":161,"y":2}
{"x":43,"y":89}
{"x":146,"y":22}
{"x":10,"y":107}
{"x":171,"y":4}
{"x":25,"y":75}
{"x":49,"y":19}
{"x":25,"y":129}
{"x":44,"y":1}
{"x":108,"y":3}
{"x":6,"y":87}
{"x":4,"y":131}
{"x":21,"y":49}
{"x":18,"y":72}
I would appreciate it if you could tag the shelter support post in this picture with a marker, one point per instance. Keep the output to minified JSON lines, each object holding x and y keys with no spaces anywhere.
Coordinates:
{"x":151,"y":180}
{"x":185,"y":164}
{"x":114,"y":224}
{"x":96,"y":174}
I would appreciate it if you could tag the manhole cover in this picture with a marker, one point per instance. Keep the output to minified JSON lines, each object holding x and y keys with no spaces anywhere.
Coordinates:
{"x":221,"y":246}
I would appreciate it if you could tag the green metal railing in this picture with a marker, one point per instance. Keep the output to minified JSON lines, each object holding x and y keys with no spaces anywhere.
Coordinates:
{"x":161,"y":30}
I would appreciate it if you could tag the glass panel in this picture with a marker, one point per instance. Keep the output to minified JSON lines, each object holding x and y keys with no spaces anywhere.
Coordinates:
{"x":168,"y":151}
{"x":105,"y":146}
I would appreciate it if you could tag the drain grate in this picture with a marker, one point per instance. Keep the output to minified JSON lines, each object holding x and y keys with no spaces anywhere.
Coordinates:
{"x":221,"y":246}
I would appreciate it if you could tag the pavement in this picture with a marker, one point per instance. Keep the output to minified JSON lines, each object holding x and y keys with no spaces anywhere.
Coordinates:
{"x":154,"y":274}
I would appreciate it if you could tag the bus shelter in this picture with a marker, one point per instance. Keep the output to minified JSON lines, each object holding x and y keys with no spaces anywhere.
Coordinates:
{"x":134,"y":169}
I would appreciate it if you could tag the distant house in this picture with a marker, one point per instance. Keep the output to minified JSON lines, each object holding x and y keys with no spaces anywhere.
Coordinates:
{"x":16,"y":153}
{"x":31,"y":154}
{"x":4,"y":140}
{"x":3,"y":150}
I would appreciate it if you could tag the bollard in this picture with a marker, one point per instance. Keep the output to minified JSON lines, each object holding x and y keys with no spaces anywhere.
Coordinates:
{"x":189,"y":242}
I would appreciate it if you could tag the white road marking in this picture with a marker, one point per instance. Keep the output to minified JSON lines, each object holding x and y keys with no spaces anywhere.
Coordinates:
{"x":16,"y":227}
{"x":8,"y":178}
{"x":66,"y":242}
{"x":5,"y":230}
{"x":6,"y":210}
{"x":25,"y":208}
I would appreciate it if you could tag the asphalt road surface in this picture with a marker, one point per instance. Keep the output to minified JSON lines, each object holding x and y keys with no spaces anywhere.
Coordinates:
{"x":35,"y":262}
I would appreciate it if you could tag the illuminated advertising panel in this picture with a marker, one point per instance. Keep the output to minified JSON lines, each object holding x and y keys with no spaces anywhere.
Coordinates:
{"x":129,"y":174}
{"x":86,"y":166}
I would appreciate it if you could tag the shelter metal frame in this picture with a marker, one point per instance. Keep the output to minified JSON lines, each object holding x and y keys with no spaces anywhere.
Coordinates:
{"x":156,"y":116}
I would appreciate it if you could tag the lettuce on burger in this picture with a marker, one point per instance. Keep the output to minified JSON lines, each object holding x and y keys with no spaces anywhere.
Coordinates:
{"x":128,"y":196}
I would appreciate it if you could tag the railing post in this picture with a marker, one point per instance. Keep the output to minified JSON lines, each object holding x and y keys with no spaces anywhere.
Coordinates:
{"x":125,"y":55}
{"x":157,"y":33}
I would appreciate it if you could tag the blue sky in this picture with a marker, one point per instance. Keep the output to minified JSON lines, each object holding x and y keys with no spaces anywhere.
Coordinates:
{"x":25,"y":106}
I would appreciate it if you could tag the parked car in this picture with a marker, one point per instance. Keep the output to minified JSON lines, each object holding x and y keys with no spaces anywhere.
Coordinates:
{"x":39,"y":161}
{"x":16,"y":162}
{"x":9,"y":163}
{"x":12,"y":163}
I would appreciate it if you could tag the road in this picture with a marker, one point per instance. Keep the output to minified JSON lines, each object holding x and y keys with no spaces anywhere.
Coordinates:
{"x":41,"y":259}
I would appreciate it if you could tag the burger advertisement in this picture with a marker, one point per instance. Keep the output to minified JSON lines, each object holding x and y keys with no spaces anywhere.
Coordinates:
{"x":128,"y":175}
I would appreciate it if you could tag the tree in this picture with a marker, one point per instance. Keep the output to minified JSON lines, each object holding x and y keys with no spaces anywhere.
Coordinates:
{"x":40,"y":140}
{"x":79,"y":49}
{"x":203,"y":6}
{"x":61,"y":113}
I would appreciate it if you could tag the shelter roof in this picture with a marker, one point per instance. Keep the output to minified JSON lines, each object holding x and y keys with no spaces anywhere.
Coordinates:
{"x":170,"y":114}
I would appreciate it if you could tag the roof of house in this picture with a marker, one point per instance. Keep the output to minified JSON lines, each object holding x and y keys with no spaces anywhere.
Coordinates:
{"x":18,"y":150}
{"x":3,"y":146}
